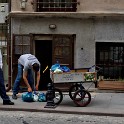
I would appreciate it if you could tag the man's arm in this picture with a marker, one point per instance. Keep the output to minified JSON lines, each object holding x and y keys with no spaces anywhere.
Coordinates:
{"x":26,"y":81}
{"x":38,"y":80}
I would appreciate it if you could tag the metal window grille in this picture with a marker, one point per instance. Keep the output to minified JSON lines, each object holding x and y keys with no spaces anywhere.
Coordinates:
{"x":110,"y":56}
{"x":56,"y":5}
{"x":3,"y":34}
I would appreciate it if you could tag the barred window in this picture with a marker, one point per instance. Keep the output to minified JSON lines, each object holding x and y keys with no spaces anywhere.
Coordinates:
{"x":56,"y":5}
{"x":110,"y":57}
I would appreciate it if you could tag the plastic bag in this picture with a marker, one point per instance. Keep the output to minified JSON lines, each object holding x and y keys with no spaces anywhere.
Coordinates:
{"x":27,"y":97}
{"x":64,"y":69}
{"x":58,"y":71}
{"x":55,"y":66}
{"x":35,"y":97}
{"x":42,"y":97}
{"x":59,"y":68}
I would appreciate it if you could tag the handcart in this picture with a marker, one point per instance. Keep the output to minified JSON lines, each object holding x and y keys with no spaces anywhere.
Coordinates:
{"x":80,"y":96}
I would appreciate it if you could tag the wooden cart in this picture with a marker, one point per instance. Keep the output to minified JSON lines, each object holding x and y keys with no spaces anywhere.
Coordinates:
{"x":77,"y":92}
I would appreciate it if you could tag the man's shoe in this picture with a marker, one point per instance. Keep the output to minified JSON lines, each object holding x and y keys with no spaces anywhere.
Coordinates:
{"x":5,"y":102}
{"x":14,"y":96}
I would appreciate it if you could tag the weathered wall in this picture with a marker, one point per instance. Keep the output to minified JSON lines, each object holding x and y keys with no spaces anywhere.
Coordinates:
{"x":102,"y":5}
{"x":109,"y":30}
{"x":88,"y":31}
{"x":64,"y":26}
{"x":3,"y":12}
{"x":85,"y":5}
{"x":15,"y":6}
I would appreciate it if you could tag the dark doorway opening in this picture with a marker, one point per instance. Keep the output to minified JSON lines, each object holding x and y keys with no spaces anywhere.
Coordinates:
{"x":43,"y":51}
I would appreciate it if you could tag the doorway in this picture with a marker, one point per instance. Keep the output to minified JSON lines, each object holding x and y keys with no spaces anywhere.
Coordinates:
{"x":43,"y":51}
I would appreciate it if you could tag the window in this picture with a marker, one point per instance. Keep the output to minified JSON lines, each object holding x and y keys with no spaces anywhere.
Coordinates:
{"x":110,"y":56}
{"x":55,"y":5}
{"x":21,"y":44}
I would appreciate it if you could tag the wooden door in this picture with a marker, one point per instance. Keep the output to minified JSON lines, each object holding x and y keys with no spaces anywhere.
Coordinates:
{"x":63,"y":50}
{"x":63,"y":53}
{"x":22,"y":44}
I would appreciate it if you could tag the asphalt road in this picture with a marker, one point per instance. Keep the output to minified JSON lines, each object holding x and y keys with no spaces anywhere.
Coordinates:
{"x":20,"y":117}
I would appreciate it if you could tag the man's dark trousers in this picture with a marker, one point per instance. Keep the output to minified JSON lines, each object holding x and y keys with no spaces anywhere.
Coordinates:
{"x":3,"y":94}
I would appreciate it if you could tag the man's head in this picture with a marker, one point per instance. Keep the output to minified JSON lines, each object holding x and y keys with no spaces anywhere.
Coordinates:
{"x":35,"y":67}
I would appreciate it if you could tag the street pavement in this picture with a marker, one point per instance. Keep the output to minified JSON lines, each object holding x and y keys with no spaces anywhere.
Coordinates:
{"x":103,"y":102}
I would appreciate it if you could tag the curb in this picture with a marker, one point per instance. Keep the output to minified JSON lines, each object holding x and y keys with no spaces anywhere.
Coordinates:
{"x":64,"y":112}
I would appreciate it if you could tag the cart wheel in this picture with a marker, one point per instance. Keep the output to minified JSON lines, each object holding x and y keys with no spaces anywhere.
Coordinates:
{"x":58,"y":96}
{"x":82,"y":98}
{"x":73,"y":89}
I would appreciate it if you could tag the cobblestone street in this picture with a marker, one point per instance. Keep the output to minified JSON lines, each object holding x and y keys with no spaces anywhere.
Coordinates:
{"x":12,"y":117}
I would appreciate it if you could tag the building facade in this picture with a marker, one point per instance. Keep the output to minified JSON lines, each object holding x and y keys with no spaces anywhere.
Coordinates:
{"x":77,"y":33}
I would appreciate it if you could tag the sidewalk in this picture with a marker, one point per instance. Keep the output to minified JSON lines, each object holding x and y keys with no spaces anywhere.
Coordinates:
{"x":102,"y":103}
